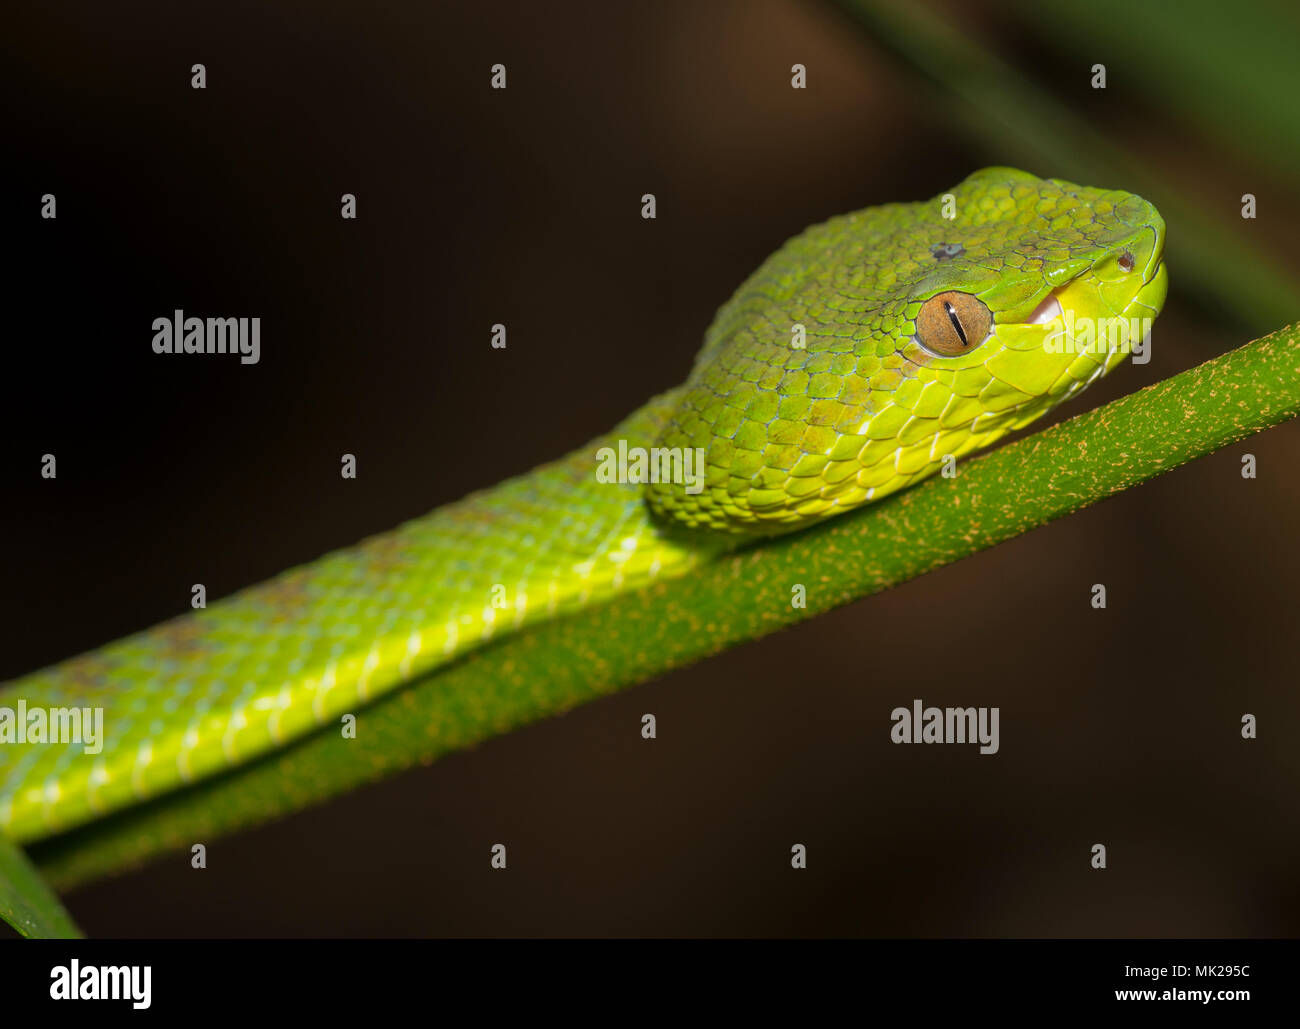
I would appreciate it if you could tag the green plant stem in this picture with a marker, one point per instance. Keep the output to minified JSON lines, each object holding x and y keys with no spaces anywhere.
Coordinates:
{"x":745,"y":596}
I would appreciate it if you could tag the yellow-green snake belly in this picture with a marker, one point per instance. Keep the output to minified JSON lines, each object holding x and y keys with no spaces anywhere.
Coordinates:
{"x":858,"y":359}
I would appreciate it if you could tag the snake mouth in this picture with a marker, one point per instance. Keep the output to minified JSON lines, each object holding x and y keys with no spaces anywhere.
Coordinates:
{"x":1047,"y":310}
{"x":1148,"y":295}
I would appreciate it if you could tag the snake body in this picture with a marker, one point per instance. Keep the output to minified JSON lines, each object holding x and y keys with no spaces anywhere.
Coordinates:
{"x":841,"y":371}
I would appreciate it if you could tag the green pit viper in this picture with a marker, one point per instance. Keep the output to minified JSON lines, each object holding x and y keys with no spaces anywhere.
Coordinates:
{"x":851,"y":364}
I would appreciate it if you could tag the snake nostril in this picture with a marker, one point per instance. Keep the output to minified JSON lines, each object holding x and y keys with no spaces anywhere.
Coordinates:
{"x":1126,"y":261}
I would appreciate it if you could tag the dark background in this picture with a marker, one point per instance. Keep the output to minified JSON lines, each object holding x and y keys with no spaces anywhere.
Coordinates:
{"x":479,"y":206}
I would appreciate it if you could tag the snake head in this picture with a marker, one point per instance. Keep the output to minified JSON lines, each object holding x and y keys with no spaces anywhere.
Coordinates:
{"x":872,"y":349}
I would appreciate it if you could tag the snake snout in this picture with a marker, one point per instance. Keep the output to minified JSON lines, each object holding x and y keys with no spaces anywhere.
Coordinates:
{"x":1147,"y":248}
{"x":1155,"y":253}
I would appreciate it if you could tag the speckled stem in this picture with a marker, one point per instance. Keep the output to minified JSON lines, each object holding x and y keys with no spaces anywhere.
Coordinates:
{"x":736,"y":598}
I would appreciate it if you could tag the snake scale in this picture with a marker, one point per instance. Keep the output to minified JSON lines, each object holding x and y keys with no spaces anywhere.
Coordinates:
{"x":859,"y":357}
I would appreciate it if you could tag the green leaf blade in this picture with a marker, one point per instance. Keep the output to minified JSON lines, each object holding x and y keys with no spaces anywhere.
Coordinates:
{"x":27,"y":903}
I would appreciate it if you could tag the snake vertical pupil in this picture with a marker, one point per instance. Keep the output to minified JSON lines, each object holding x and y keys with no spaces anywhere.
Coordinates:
{"x":956,"y":323}
{"x":951,"y":323}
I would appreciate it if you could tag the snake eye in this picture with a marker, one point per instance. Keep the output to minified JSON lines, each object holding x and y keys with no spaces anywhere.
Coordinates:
{"x":952,"y":323}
